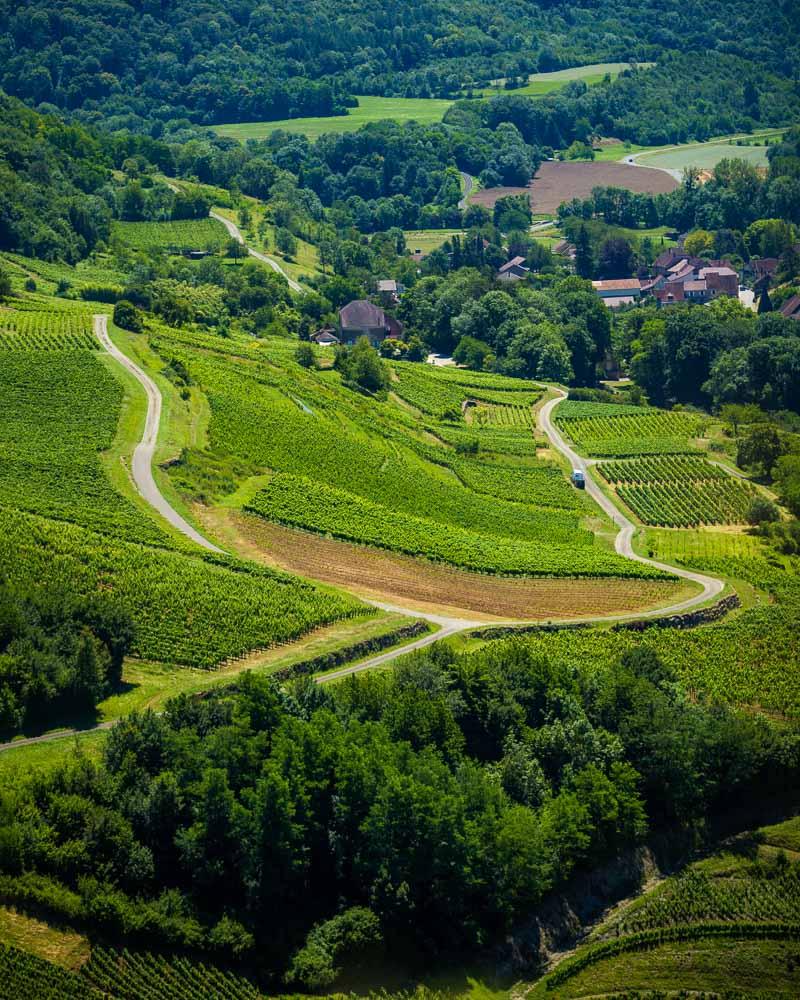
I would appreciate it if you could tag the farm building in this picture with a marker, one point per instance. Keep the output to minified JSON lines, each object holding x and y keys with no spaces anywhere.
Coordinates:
{"x":388,"y":291}
{"x":618,"y":292}
{"x":326,"y":337}
{"x":362,"y":318}
{"x":513,"y":270}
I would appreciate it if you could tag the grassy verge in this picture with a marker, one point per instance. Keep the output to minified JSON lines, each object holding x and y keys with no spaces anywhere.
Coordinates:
{"x":63,"y":947}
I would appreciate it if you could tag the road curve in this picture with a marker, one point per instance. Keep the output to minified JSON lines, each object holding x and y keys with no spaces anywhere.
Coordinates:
{"x":448,"y":626}
{"x":142,"y":466}
{"x":235,"y":234}
{"x":624,"y":540}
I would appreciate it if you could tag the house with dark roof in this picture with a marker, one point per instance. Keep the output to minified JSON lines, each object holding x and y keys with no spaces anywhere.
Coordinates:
{"x":326,"y":337}
{"x":362,"y":318}
{"x":791,"y":308}
{"x":513,"y":270}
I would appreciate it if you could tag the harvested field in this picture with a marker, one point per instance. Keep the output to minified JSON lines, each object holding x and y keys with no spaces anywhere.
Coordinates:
{"x":427,"y":586}
{"x":558,"y":181}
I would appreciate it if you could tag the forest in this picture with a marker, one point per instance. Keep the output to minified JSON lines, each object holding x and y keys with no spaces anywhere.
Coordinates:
{"x":418,"y":812}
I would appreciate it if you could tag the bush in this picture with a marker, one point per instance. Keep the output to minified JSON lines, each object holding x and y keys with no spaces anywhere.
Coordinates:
{"x":763,"y":511}
{"x":127,"y":316}
{"x":5,"y":283}
{"x":304,"y":355}
{"x":30,"y":285}
{"x":100,"y":293}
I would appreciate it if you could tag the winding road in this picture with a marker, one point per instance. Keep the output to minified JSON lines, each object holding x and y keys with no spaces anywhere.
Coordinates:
{"x":623,"y":543}
{"x":235,"y":233}
{"x":446,"y":626}
{"x":142,"y":465}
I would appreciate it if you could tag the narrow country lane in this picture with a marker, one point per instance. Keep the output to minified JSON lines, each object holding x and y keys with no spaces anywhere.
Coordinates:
{"x":235,"y":233}
{"x":447,"y":626}
{"x":469,"y":183}
{"x":142,"y":466}
{"x":624,"y":540}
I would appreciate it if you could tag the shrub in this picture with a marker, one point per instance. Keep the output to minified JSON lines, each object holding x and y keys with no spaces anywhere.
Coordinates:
{"x":763,"y":511}
{"x":304,"y":355}
{"x":30,"y":285}
{"x":127,"y":316}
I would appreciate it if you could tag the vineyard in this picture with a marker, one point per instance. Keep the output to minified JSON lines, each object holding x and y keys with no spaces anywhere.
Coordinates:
{"x":618,"y":431}
{"x":700,"y":549}
{"x":746,"y":895}
{"x":25,"y":977}
{"x":303,"y":503}
{"x":129,"y":975}
{"x":187,"y":234}
{"x":542,"y":484}
{"x":437,"y":390}
{"x":747,"y":659}
{"x":191,"y":610}
{"x":679,"y":491}
{"x":502,"y":415}
{"x":87,"y":273}
{"x":27,"y":330}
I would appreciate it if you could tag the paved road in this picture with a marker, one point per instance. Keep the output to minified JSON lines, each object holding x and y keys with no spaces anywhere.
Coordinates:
{"x":447,"y":626}
{"x":624,"y":540}
{"x":235,"y":233}
{"x":469,"y":183}
{"x":142,"y":467}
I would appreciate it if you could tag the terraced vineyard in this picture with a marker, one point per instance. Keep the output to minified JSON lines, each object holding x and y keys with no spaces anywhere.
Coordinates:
{"x":435,"y":391}
{"x":186,"y":234}
{"x":679,"y":491}
{"x":40,"y":330}
{"x":700,"y":548}
{"x":25,"y":977}
{"x":543,"y":484}
{"x":503,"y":415}
{"x":58,"y":410}
{"x":129,"y":975}
{"x":611,"y":430}
{"x":186,"y":609}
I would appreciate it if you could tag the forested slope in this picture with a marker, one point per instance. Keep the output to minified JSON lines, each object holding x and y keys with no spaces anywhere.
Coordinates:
{"x":213,"y":62}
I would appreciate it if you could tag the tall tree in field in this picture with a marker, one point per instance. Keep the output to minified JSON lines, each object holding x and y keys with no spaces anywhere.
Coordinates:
{"x":584,"y":258}
{"x":765,"y":302}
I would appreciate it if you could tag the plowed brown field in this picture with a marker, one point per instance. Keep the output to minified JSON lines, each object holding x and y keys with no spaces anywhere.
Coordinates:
{"x":558,"y":181}
{"x":427,"y":586}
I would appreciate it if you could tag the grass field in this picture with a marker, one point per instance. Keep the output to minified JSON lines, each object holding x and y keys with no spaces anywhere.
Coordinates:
{"x":427,"y":240}
{"x":545,"y":83}
{"x":370,"y":109}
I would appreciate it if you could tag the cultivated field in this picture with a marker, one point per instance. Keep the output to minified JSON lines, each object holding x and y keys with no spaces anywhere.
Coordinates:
{"x":559,"y":181}
{"x":426,"y":240}
{"x":370,"y":109}
{"x":706,"y":155}
{"x":439,"y":588}
{"x":187,"y":234}
{"x":731,"y":917}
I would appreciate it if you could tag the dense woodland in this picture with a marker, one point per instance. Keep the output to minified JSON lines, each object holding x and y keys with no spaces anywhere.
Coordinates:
{"x":419,"y":812}
{"x":146,"y":66}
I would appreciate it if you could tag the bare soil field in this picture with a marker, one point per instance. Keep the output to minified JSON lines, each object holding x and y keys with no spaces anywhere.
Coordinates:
{"x":558,"y":181}
{"x":426,"y":586}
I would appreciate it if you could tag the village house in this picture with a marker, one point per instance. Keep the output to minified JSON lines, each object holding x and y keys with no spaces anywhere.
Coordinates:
{"x":388,"y":291}
{"x":326,"y":337}
{"x":362,"y":318}
{"x":617,"y":292}
{"x":513,"y":270}
{"x":791,"y":308}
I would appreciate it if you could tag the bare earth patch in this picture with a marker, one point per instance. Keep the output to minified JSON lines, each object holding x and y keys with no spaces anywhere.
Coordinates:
{"x":558,"y":181}
{"x":427,"y":586}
